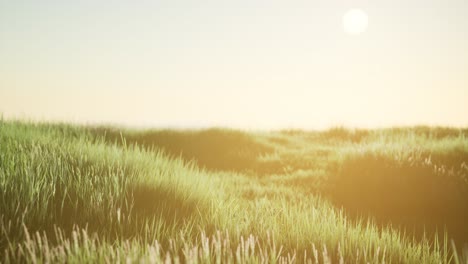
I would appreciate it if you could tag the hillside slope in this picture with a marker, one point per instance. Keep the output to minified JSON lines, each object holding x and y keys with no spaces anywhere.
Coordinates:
{"x":82,"y":194}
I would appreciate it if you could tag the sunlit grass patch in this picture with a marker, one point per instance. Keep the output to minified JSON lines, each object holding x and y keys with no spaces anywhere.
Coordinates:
{"x":47,"y":181}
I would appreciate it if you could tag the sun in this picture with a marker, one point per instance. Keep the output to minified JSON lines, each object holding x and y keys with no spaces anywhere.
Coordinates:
{"x":355,"y":21}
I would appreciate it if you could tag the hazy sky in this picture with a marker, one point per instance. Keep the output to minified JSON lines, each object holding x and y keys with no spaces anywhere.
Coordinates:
{"x":243,"y":63}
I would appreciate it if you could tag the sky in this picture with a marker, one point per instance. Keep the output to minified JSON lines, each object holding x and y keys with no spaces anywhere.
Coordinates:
{"x":252,"y":64}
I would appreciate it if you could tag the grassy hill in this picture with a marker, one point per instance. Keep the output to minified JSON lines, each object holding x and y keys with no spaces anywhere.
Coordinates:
{"x":75,"y":194}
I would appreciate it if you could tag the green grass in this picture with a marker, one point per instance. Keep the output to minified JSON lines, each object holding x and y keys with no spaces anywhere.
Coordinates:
{"x":74,"y":194}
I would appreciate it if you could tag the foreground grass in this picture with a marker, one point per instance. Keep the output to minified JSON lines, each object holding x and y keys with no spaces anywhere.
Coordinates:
{"x":76,"y":194}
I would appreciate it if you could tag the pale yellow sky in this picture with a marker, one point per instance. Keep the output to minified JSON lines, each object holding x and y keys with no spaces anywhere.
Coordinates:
{"x":244,"y":64}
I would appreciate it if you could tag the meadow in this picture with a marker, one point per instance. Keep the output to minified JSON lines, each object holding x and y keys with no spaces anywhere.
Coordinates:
{"x":83,"y":194}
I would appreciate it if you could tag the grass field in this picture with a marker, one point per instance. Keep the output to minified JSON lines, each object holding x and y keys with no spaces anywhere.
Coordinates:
{"x":76,"y":194}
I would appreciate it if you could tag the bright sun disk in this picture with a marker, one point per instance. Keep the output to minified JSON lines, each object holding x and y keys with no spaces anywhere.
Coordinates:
{"x":355,"y":21}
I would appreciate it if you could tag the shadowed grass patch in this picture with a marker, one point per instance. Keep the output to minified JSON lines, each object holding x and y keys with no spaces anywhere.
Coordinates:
{"x":213,"y":149}
{"x":415,"y":193}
